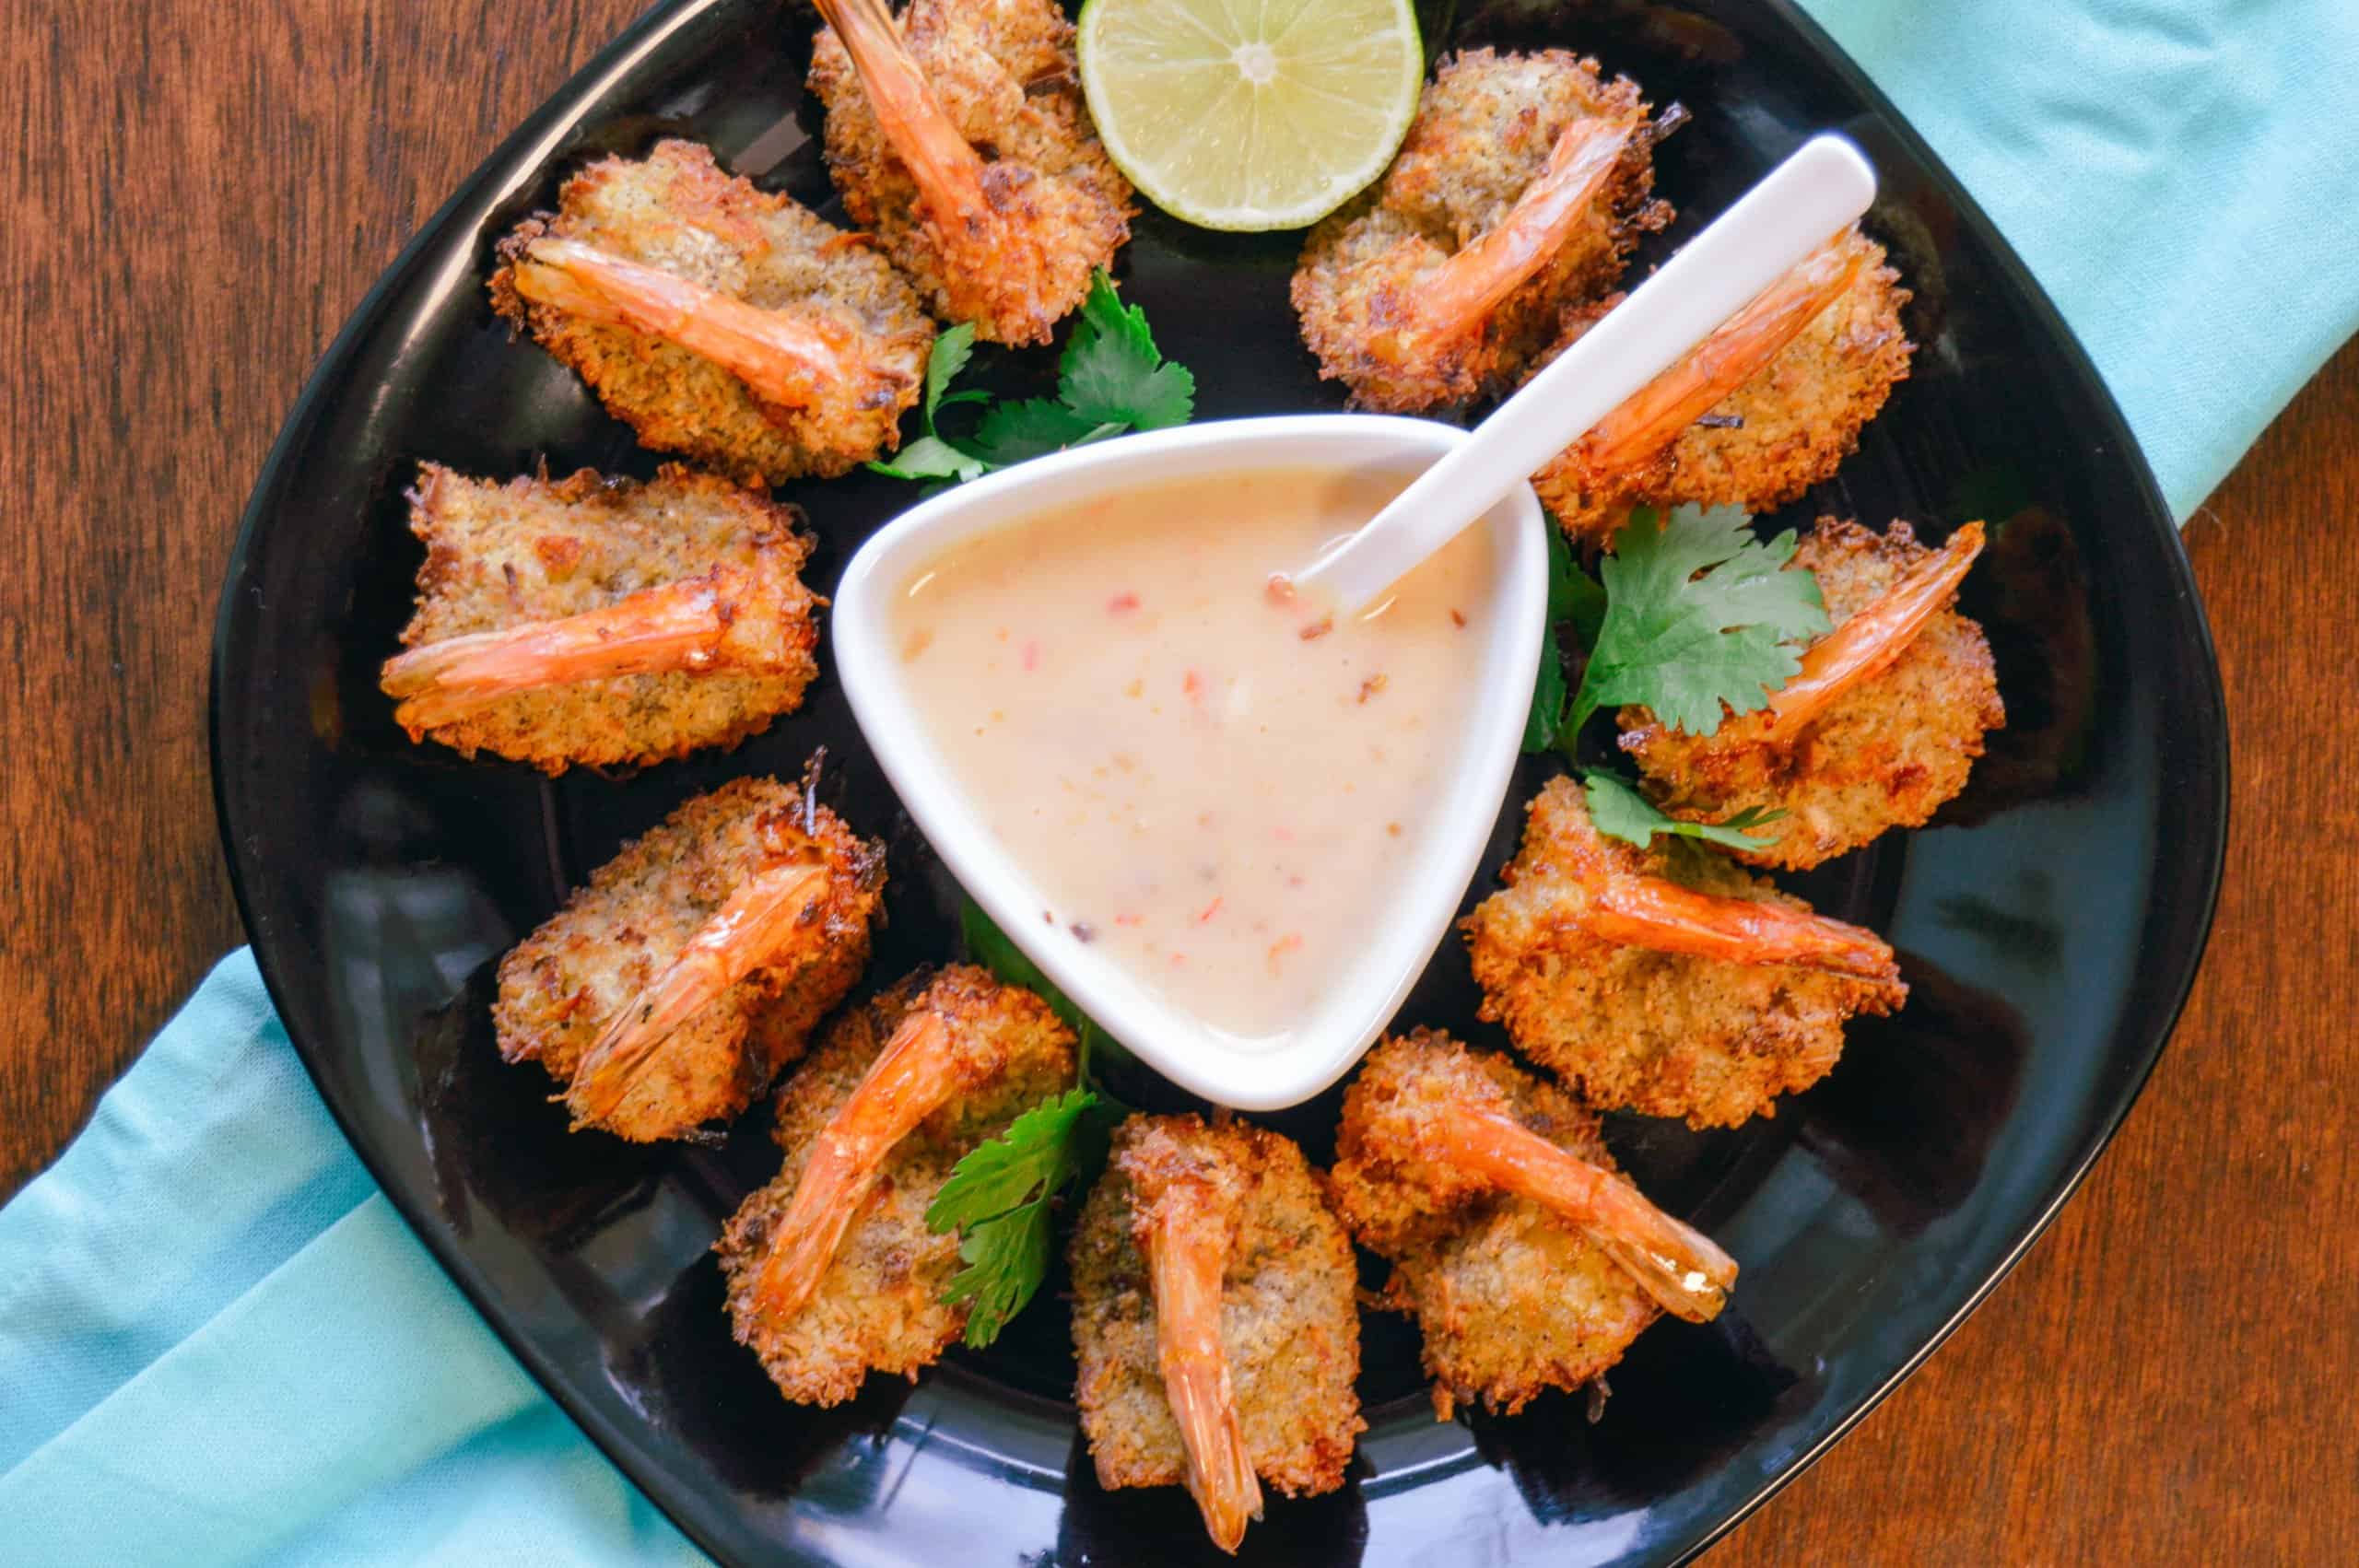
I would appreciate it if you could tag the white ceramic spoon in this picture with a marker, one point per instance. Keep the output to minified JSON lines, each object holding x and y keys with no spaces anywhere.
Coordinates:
{"x":1770,"y":230}
{"x":1464,"y":478}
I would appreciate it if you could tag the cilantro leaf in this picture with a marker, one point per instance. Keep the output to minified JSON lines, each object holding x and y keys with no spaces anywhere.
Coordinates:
{"x":1573,"y":599}
{"x":1548,"y":695}
{"x":1584,"y":606}
{"x":1114,"y":374}
{"x":998,"y":1194}
{"x":998,"y":1197}
{"x":930,"y":457}
{"x":1030,"y":1159}
{"x":1013,"y":432}
{"x":1111,"y":378}
{"x":1699,"y":613}
{"x":1619,"y":811}
{"x":1006,"y":1258}
{"x":952,"y":348}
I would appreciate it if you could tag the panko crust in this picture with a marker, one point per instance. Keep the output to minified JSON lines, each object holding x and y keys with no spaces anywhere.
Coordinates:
{"x":1887,"y":753}
{"x":1786,"y":430}
{"x":1512,"y":1300}
{"x":537,"y":549}
{"x":1004,"y":74}
{"x":1289,"y":1315}
{"x":561,"y":986}
{"x":879,"y":1307}
{"x":1484,"y":132}
{"x":1662,"y":1034}
{"x":676,"y":211}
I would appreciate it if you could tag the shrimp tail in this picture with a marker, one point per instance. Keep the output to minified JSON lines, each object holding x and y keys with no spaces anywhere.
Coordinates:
{"x":948,"y":173}
{"x":1731,"y":356}
{"x":679,"y":626}
{"x":751,"y":926}
{"x":1649,"y":912}
{"x":789,"y":357}
{"x":1186,"y":1249}
{"x":1867,"y":644}
{"x":911,"y":1079}
{"x":1680,"y":1267}
{"x":1462,"y":293}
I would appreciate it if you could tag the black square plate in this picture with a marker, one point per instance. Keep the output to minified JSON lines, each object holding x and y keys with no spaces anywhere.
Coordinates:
{"x":2050,"y":922}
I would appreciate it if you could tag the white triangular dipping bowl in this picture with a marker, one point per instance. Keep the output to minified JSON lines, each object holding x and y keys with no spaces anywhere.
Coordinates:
{"x":1399,"y":938}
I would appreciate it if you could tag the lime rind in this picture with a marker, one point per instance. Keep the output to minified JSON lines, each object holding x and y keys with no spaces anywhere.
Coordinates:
{"x":1170,"y":86}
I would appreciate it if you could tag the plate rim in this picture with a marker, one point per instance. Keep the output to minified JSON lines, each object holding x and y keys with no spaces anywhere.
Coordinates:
{"x":563,"y":111}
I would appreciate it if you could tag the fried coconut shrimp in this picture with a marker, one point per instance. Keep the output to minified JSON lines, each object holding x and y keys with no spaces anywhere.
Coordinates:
{"x":1214,"y":1320}
{"x":1518,"y":196}
{"x":1527,"y":1259}
{"x":669,"y":991}
{"x":1757,"y":412}
{"x":832,"y":1271}
{"x":598,"y":621}
{"x":959,"y":136}
{"x":715,"y":320}
{"x":1671,"y":986}
{"x":1882,"y":725}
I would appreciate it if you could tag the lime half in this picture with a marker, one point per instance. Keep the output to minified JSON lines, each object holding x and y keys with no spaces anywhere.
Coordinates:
{"x":1251,"y":113}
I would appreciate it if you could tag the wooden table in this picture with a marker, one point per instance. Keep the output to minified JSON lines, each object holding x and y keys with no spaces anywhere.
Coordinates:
{"x":202,"y":192}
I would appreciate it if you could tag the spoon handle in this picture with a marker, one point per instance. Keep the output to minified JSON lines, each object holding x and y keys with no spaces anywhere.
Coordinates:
{"x":1772,"y":228}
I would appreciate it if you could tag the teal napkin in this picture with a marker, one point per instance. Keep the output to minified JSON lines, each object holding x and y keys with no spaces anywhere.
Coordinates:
{"x":219,"y":1344}
{"x":2179,"y":174}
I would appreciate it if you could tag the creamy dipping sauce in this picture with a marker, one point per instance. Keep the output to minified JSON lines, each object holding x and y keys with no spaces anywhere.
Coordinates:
{"x":1212,"y":784}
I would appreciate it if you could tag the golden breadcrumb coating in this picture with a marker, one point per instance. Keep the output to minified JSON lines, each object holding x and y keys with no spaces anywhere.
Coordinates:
{"x":1787,"y":429}
{"x":562,"y":986}
{"x":1289,"y":1320}
{"x":1484,"y":130}
{"x":1885,"y":754}
{"x":1004,"y":74}
{"x":1512,"y":1299}
{"x":676,"y":211}
{"x":1632,"y":1028}
{"x":879,"y":1306}
{"x":499,"y":556}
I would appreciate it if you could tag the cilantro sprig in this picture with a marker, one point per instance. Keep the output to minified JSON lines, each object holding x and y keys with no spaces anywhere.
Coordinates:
{"x":998,"y":1199}
{"x":1619,"y":811}
{"x":1695,"y":617}
{"x":1699,"y":613}
{"x":999,"y":1196}
{"x":1111,"y":378}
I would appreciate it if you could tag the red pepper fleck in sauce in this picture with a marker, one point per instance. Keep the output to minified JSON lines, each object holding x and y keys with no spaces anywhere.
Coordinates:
{"x":1208,"y":911}
{"x":1122,"y":603}
{"x":1458,"y":618}
{"x":1032,"y":655}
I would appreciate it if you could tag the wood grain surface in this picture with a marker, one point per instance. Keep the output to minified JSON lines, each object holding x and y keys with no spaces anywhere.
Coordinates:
{"x":202,"y":192}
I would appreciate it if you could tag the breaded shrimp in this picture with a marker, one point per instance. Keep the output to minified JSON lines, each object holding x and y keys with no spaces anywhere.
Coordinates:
{"x":1214,"y":1321}
{"x":1882,"y":725}
{"x":669,"y":991}
{"x":1519,"y":194}
{"x":1004,"y":237}
{"x":1668,"y":986}
{"x":604,"y":622}
{"x":718,"y":321}
{"x":1527,"y":1259}
{"x":1757,"y":412}
{"x":832,"y":1271}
